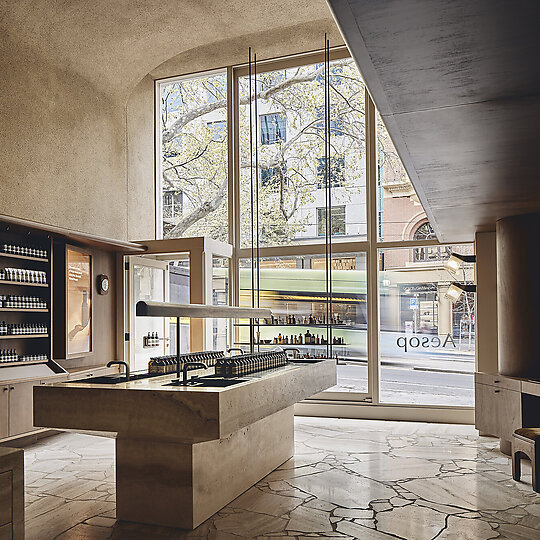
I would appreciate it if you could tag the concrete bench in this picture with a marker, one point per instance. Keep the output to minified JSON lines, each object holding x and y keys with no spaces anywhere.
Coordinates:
{"x":526,"y":441}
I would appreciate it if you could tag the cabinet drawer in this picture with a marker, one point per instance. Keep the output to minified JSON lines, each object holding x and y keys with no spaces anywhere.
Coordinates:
{"x":21,"y":412}
{"x":6,"y":532}
{"x":509,"y":410}
{"x":498,"y":380}
{"x":5,"y":498}
{"x":486,"y":416}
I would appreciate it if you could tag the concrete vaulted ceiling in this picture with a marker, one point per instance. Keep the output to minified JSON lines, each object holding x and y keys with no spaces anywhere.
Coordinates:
{"x":114,"y":43}
{"x":458,"y":85}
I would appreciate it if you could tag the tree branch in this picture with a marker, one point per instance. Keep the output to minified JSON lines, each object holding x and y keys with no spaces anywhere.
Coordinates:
{"x":207,"y":207}
{"x":176,"y":127}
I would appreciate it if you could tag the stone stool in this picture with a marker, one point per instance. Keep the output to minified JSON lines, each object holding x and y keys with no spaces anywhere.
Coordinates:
{"x":526,"y":441}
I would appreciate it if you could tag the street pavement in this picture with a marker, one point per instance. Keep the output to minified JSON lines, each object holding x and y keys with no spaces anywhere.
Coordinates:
{"x":419,"y":381}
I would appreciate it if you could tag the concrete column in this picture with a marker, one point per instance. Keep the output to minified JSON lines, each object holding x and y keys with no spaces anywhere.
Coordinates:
{"x":518,"y":295}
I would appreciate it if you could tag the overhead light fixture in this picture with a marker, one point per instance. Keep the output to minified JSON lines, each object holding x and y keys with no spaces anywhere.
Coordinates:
{"x":454,"y":262}
{"x":456,"y":289}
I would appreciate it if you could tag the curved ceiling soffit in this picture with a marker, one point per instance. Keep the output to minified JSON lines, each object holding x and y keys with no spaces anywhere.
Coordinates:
{"x":232,"y":51}
{"x":114,"y":44}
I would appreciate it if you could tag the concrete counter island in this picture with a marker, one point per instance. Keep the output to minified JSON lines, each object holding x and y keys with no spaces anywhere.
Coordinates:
{"x":184,"y":452}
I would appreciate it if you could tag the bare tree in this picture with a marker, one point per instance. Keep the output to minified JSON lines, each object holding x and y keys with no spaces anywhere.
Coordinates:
{"x":194,"y":146}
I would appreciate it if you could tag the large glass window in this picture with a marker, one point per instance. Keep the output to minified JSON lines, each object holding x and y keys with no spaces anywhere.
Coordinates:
{"x":400,"y":214}
{"x":193,"y":170}
{"x":291,"y":156}
{"x":426,"y":342}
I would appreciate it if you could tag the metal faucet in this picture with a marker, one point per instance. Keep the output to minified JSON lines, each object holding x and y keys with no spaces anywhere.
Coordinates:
{"x":201,"y":365}
{"x":120,"y":363}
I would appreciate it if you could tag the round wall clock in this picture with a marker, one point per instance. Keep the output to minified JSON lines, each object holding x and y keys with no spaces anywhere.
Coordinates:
{"x":103,"y":284}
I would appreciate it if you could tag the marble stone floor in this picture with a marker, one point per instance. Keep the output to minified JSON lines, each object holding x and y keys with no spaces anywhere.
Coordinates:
{"x":349,"y":479}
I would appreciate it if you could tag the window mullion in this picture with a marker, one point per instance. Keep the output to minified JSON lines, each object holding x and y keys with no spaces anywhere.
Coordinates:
{"x":372,"y":258}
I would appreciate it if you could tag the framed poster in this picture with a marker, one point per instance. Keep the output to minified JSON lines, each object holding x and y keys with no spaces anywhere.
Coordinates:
{"x":78,"y":302}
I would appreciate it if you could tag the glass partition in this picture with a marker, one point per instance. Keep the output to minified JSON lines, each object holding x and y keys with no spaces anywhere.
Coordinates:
{"x":295,"y":289}
{"x":426,"y":342}
{"x":422,"y":353}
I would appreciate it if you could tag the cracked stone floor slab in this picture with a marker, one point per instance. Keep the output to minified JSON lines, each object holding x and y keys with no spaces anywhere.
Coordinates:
{"x":349,"y":479}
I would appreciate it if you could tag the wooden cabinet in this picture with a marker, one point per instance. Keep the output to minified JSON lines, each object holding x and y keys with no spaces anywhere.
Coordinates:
{"x":21,"y":412}
{"x":487,"y":409}
{"x":16,"y":408}
{"x":509,"y":412}
{"x":11,"y":494}
{"x":17,"y":401}
{"x":4,"y":411}
{"x":499,"y":405}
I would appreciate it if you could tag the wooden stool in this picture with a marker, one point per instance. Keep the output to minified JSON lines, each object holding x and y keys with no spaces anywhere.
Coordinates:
{"x":526,"y":441}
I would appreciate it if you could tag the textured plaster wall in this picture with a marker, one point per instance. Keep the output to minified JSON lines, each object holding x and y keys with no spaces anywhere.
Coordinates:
{"x":140,"y":120}
{"x":61,"y":147}
{"x":140,"y":156}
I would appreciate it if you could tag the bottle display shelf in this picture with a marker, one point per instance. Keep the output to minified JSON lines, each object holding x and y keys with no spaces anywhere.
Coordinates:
{"x":25,"y":310}
{"x":292,"y":345}
{"x":24,"y":257}
{"x":23,"y":336}
{"x":23,"y":283}
{"x":307,"y":325}
{"x":22,"y":363}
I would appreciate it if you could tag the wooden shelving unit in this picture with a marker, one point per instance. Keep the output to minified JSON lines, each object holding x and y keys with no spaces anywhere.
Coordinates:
{"x":26,"y":344}
{"x":290,"y":344}
{"x":23,"y":257}
{"x":25,"y":363}
{"x":24,"y":310}
{"x":24,"y":336}
{"x":304,"y":325}
{"x":23,"y":283}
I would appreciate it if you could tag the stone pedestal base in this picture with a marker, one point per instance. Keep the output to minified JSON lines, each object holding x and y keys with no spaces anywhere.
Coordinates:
{"x":177,"y":484}
{"x":506,"y":447}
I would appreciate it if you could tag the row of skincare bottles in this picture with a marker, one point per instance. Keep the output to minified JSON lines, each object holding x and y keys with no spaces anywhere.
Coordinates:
{"x":33,"y":358}
{"x":25,"y":251}
{"x":244,"y":364}
{"x":23,"y":275}
{"x":22,"y":302}
{"x":302,"y":320}
{"x":151,"y":339}
{"x":167,"y":364}
{"x":8,"y":355}
{"x":21,"y":329}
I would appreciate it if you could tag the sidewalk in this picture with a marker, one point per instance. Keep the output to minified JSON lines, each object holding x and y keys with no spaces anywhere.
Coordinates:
{"x":465,"y":365}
